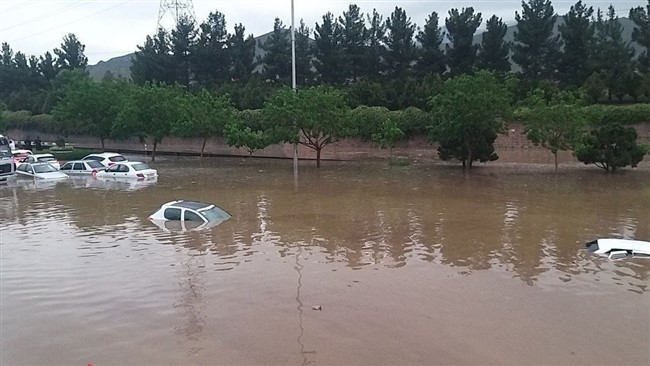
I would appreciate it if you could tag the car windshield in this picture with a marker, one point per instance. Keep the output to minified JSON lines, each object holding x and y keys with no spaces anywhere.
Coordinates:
{"x":140,"y":166}
{"x":215,"y":214}
{"x":117,"y":158}
{"x":94,"y":164}
{"x":44,"y":168}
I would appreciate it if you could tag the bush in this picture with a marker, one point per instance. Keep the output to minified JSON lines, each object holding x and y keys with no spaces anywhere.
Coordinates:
{"x":601,"y":115}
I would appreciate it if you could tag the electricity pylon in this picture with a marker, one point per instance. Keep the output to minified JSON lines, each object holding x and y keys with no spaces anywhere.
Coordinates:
{"x":174,"y":9}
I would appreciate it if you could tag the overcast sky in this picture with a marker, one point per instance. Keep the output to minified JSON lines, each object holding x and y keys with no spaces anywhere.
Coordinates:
{"x":111,"y":28}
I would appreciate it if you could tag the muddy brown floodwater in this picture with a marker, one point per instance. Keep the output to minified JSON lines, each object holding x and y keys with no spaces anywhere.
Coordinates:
{"x":355,"y":264}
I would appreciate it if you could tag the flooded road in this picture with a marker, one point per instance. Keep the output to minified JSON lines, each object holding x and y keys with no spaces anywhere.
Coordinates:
{"x":356,"y":264}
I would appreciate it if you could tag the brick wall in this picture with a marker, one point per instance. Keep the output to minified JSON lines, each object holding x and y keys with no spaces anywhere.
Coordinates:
{"x":512,"y":147}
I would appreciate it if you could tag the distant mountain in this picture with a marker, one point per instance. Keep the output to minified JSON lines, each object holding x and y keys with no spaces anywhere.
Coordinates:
{"x":121,"y":66}
{"x":118,"y":66}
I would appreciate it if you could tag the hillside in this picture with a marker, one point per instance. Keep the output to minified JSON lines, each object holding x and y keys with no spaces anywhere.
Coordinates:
{"x":121,"y":66}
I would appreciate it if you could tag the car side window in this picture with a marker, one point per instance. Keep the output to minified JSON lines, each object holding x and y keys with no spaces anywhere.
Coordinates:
{"x":66,"y":166}
{"x":22,"y":168}
{"x":79,"y":166}
{"x":172,"y":213}
{"x":31,"y":159}
{"x":30,"y":169}
{"x":113,"y":169}
{"x":124,"y":168}
{"x":191,"y":216}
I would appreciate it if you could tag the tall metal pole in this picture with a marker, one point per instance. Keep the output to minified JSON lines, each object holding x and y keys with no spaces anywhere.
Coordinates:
{"x":293,"y":85}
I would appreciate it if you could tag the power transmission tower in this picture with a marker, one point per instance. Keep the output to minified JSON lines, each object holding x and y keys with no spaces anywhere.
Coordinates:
{"x":174,"y":9}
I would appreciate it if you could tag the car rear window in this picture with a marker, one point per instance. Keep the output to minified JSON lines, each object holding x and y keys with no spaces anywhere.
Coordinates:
{"x":94,"y":158}
{"x":117,"y":158}
{"x":44,"y":168}
{"x":46,"y":158}
{"x":94,"y":164}
{"x":140,"y":166}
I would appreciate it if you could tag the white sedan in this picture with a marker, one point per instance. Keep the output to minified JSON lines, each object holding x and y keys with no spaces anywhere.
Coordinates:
{"x":82,"y":167}
{"x":40,"y":171}
{"x":43,"y":158}
{"x":130,"y":170}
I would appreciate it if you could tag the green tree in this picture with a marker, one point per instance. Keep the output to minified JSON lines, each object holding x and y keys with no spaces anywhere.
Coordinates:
{"x":242,"y":51}
{"x":555,"y":124}
{"x":212,"y":51}
{"x":153,"y":62}
{"x":91,"y":108}
{"x":611,"y":147}
{"x":388,"y":136}
{"x":353,"y":42}
{"x":304,"y":55}
{"x":431,"y":58}
{"x":277,"y":56}
{"x":641,"y":33}
{"x":577,"y":33}
{"x":47,"y":66}
{"x":327,"y":42}
{"x":494,"y":52}
{"x":399,"y":41}
{"x":468,"y":133}
{"x":367,"y":121}
{"x":65,"y":81}
{"x":315,"y":117}
{"x":376,"y":48}
{"x":183,"y":41}
{"x":151,"y":111}
{"x":249,"y":131}
{"x":612,"y":55}
{"x":461,"y":26}
{"x":535,"y":46}
{"x":206,"y":116}
{"x":71,"y":55}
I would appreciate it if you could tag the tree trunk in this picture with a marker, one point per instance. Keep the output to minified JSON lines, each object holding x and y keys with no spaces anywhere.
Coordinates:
{"x":153,"y":153}
{"x":318,"y":157}
{"x":203,"y":147}
{"x":555,"y":155}
{"x":102,"y":140}
{"x":470,"y":158}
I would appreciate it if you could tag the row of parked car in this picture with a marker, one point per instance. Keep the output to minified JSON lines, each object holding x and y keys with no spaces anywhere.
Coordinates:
{"x":104,"y":165}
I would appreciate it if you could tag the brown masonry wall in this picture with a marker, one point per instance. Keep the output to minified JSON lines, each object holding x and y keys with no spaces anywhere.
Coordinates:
{"x":512,"y":147}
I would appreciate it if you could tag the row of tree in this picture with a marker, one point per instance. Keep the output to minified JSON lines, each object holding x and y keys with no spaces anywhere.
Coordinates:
{"x":378,"y":62}
{"x":318,"y":116}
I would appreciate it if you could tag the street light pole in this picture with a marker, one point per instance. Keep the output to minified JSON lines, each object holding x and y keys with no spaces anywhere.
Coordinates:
{"x":293,"y":85}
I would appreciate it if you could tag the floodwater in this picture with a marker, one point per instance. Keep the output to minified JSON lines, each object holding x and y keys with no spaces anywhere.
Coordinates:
{"x":354,"y":264}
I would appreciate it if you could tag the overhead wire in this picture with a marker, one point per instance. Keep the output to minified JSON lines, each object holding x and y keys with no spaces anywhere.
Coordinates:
{"x":70,"y":22}
{"x":70,"y":6}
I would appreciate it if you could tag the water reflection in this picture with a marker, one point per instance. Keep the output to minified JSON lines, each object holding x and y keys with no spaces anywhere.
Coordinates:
{"x":520,"y":222}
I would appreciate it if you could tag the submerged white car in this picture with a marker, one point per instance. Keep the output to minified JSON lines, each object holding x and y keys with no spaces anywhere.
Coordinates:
{"x":106,"y":158}
{"x":130,"y":170}
{"x":42,"y":158}
{"x":82,"y":167}
{"x":184,"y":215}
{"x":619,"y":248}
{"x":40,"y":171}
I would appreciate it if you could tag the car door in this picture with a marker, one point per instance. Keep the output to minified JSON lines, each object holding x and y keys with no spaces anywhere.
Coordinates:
{"x":123,"y":170}
{"x":67,"y":168}
{"x":112,"y":171}
{"x":79,"y":168}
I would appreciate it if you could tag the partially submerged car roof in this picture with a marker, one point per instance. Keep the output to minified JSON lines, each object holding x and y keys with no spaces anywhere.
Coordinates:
{"x":194,"y":205}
